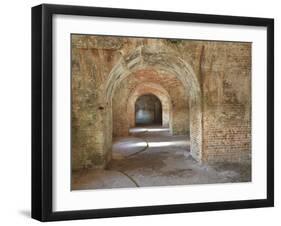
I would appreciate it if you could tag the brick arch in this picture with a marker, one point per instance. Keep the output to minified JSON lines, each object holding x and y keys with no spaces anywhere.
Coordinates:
{"x":149,"y":88}
{"x":168,"y":61}
{"x":159,"y":59}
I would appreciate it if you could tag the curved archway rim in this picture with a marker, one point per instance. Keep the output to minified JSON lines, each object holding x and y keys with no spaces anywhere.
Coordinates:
{"x":131,"y":66}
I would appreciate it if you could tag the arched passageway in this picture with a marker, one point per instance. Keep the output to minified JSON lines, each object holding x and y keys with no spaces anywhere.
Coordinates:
{"x":148,"y":110}
{"x":155,"y":58}
{"x":155,"y":89}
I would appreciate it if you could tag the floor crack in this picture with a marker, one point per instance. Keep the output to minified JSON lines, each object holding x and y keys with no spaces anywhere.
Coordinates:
{"x":142,"y":150}
{"x":127,"y":175}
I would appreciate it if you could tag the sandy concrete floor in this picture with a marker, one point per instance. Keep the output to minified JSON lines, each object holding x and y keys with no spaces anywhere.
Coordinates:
{"x":151,"y":156}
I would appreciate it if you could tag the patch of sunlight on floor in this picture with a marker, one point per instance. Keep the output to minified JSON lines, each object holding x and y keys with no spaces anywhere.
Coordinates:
{"x":130,"y":144}
{"x":138,"y":144}
{"x":148,"y":129}
{"x":157,"y":129}
{"x":168,"y":143}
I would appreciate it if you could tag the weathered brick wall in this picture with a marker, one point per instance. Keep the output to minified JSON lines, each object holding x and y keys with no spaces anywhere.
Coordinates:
{"x":87,"y":115}
{"x":91,"y":113}
{"x":196,"y":129}
{"x":119,"y":106}
{"x":227,"y":92}
{"x":180,"y":111}
{"x":227,"y":144}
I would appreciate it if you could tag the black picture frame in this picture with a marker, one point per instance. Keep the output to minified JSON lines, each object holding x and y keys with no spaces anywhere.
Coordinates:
{"x":42,"y":107}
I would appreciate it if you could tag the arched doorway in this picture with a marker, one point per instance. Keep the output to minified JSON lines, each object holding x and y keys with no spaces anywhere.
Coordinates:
{"x":156,"y":59}
{"x":148,"y":110}
{"x":158,"y":91}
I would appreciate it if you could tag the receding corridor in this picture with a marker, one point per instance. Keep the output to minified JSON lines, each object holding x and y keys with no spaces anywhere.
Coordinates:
{"x":151,"y":156}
